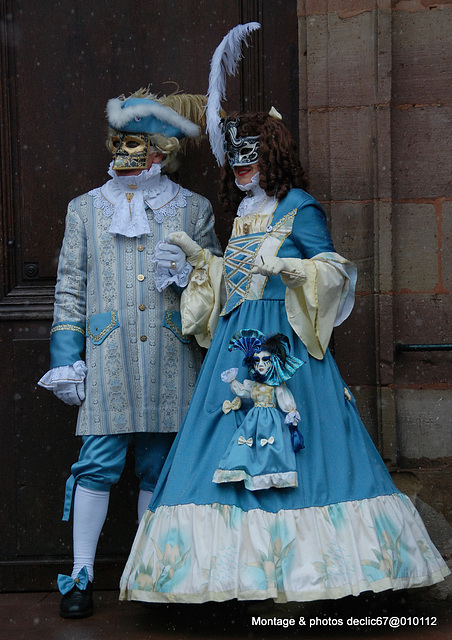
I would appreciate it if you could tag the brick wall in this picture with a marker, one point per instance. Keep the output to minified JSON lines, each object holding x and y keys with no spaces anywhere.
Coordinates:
{"x":376,"y":138}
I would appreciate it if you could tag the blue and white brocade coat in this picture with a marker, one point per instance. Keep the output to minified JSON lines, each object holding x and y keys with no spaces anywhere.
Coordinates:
{"x":141,"y":369}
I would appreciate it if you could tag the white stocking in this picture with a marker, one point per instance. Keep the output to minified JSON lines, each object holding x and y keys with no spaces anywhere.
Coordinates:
{"x":90,"y":511}
{"x":144,"y":498}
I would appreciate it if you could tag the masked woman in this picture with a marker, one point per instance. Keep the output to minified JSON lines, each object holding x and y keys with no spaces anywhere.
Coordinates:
{"x":343,"y":528}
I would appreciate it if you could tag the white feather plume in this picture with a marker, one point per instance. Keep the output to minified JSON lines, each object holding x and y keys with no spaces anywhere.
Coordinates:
{"x":224,"y":62}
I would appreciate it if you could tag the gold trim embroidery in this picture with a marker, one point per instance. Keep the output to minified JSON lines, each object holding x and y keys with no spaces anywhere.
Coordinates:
{"x":253,"y":223}
{"x":174,"y":327}
{"x":265,"y":405}
{"x":316,"y":320}
{"x":233,"y":241}
{"x":163,"y":205}
{"x":98,"y":337}
{"x":67,"y":327}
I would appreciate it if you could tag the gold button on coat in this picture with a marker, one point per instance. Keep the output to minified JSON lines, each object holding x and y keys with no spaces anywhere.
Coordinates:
{"x":140,"y":247}
{"x":142,"y":307}
{"x":143,"y":338}
{"x":140,"y":277}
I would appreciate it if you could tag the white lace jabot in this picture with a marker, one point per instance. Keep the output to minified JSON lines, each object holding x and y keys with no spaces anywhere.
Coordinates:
{"x":124,"y":198}
{"x":256,"y":200}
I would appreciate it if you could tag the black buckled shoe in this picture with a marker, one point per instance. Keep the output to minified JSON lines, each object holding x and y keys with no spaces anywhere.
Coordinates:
{"x":76,"y":603}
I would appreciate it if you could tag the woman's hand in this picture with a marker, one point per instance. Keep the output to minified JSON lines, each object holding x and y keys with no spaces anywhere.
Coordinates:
{"x":191,"y":248}
{"x":291,"y":270}
{"x":270,"y":266}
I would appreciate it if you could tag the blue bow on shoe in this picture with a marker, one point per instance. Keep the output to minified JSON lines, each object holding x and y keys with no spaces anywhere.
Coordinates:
{"x":66,"y":583}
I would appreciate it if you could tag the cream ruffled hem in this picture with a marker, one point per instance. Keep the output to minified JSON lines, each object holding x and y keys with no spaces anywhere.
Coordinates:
{"x":307,"y":596}
{"x":254,"y":483}
{"x":199,"y":553}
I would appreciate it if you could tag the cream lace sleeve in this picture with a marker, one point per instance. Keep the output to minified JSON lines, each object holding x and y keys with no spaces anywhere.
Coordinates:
{"x":322,"y":302}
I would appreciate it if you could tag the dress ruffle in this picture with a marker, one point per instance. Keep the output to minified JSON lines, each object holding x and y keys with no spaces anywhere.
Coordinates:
{"x":200,"y":553}
{"x":255,"y":483}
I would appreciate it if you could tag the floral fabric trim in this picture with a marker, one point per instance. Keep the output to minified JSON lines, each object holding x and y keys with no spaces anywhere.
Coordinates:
{"x":169,"y":210}
{"x":292,"y":555}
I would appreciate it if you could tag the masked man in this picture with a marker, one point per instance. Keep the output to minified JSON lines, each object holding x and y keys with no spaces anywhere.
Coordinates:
{"x":116,"y":344}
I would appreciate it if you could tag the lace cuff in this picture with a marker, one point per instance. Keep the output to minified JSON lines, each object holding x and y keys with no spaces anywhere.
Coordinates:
{"x":229,"y":375}
{"x":292,"y":417}
{"x":61,"y":376}
{"x":164,"y":278}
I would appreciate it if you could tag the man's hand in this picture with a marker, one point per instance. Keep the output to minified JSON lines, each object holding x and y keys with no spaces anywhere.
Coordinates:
{"x":170,"y":256}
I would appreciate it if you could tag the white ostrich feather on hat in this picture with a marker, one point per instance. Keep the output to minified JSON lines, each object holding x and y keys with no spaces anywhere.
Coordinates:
{"x":119,"y":114}
{"x":224,"y":61}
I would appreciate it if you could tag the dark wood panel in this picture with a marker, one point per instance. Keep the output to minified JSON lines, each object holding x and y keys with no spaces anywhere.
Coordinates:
{"x":7,"y":448}
{"x":85,"y":59}
{"x":38,"y":449}
{"x":59,"y":85}
{"x":57,"y":89}
{"x":59,"y":64}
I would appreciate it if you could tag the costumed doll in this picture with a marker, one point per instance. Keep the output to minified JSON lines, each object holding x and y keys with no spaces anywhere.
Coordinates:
{"x":116,"y":344}
{"x":345,"y":528}
{"x":262,"y":450}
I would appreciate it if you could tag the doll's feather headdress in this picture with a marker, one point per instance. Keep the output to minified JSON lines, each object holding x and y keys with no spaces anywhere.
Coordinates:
{"x":247,"y":340}
{"x":224,"y":62}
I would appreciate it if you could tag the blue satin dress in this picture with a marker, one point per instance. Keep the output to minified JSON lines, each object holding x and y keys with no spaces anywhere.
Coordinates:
{"x":343,"y":529}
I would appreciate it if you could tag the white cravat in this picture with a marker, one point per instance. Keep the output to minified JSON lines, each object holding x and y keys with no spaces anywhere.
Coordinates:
{"x":130,"y":194}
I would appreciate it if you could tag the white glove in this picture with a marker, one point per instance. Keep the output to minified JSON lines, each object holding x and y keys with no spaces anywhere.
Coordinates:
{"x":291,"y":270}
{"x":270,"y":266}
{"x":191,"y":248}
{"x":67,"y":382}
{"x":170,"y":256}
{"x":293,"y":417}
{"x":229,"y":375}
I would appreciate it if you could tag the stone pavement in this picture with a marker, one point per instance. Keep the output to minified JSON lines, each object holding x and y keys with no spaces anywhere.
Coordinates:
{"x":396,"y":616}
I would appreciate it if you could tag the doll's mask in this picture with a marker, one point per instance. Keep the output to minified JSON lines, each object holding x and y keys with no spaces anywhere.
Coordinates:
{"x":130,"y":150}
{"x":239,"y":151}
{"x":262,"y":361}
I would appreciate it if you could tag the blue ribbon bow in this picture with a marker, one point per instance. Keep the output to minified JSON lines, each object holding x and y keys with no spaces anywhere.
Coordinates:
{"x":296,"y":438}
{"x":66,"y":583}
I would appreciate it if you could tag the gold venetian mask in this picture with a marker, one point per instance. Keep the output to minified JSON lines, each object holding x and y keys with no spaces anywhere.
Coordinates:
{"x":130,"y":150}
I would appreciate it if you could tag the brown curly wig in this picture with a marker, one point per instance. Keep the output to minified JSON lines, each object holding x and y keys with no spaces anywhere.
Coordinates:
{"x":279,"y":165}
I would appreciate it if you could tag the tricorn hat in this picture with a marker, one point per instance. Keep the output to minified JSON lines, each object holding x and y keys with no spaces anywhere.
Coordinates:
{"x":171,"y":116}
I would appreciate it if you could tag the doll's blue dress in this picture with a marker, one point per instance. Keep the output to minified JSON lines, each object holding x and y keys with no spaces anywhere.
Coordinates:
{"x":344,"y":529}
{"x":260,"y":452}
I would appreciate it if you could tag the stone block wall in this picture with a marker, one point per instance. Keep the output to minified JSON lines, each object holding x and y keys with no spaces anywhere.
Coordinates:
{"x":376,"y":139}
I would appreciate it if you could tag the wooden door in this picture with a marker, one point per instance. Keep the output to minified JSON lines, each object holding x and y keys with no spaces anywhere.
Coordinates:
{"x":60,"y":62}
